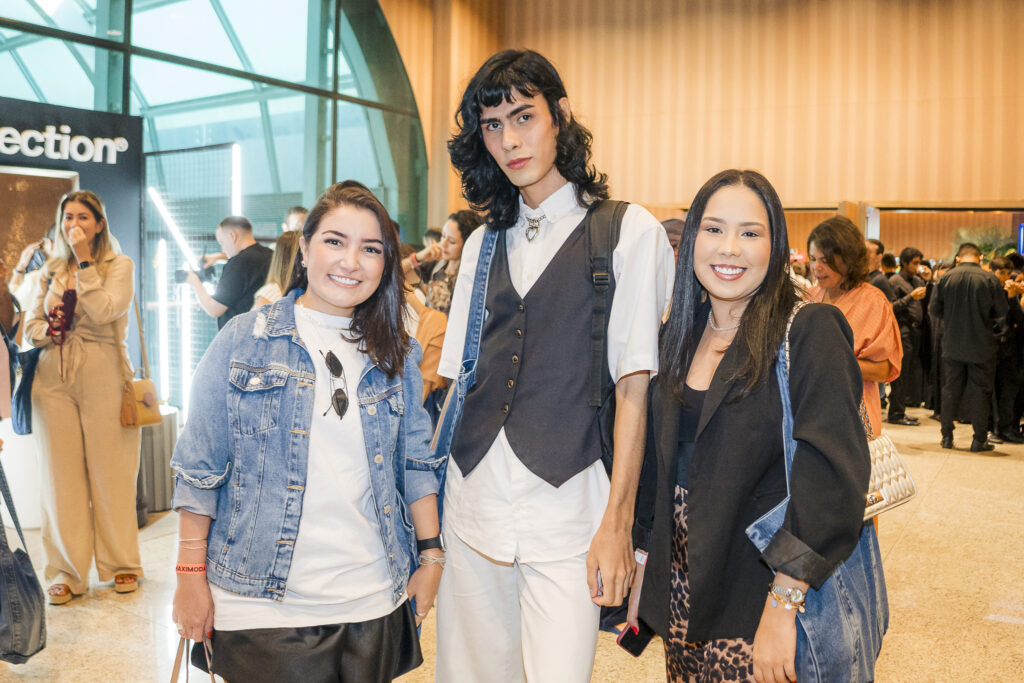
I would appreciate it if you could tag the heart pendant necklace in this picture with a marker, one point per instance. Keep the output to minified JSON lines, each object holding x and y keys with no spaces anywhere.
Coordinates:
{"x":533,"y":228}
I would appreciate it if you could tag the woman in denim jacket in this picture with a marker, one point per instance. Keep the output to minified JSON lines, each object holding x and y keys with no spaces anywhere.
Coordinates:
{"x":304,"y":476}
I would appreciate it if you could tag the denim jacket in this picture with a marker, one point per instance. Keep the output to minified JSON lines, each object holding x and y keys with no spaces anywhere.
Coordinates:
{"x":242,"y":456}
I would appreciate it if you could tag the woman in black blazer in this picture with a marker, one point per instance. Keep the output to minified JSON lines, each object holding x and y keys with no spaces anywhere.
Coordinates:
{"x":714,"y":462}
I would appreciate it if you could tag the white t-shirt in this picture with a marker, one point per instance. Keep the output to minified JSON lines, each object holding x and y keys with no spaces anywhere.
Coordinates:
{"x":502,"y":509}
{"x":270,"y":291}
{"x":339,"y":572}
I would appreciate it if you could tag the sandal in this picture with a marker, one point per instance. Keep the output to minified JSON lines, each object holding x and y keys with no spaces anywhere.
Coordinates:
{"x":59,"y":594}
{"x":126,"y":583}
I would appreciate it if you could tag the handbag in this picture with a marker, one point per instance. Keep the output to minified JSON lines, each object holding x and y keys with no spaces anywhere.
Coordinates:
{"x":179,"y":657}
{"x":140,"y":404}
{"x":891,"y":484}
{"x":839,"y":634}
{"x":22,"y":608}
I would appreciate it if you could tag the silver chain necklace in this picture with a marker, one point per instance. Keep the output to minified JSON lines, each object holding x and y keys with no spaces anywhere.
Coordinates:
{"x":716,"y":328}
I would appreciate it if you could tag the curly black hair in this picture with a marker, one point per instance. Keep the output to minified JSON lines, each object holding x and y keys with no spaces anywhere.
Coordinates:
{"x":504,"y":76}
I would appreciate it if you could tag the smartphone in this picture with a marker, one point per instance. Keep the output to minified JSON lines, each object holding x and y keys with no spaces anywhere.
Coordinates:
{"x":634,"y":643}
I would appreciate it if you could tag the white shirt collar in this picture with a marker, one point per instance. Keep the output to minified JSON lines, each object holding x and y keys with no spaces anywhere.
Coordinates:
{"x":557,"y":206}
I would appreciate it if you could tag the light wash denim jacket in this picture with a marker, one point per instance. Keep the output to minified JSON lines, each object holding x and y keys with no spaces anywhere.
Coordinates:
{"x":242,"y":456}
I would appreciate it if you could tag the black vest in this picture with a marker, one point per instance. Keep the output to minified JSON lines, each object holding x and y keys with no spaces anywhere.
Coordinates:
{"x":532,"y":376}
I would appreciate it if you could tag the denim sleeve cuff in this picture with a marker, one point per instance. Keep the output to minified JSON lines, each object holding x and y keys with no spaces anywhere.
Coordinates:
{"x":789,"y":555}
{"x":198,"y":501}
{"x":419,"y":483}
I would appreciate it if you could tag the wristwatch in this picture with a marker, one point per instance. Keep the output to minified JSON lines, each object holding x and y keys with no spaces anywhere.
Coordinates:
{"x":428,"y":543}
{"x":84,"y":264}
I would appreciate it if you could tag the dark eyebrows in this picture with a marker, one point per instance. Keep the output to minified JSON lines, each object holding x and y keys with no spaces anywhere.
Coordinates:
{"x":511,"y":115}
{"x":745,"y":224}
{"x":341,"y":234}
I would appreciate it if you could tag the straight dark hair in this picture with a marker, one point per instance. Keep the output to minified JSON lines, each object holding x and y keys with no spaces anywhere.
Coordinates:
{"x":506,"y":75}
{"x":763,"y":324}
{"x":377,"y":322}
{"x":843,"y":247}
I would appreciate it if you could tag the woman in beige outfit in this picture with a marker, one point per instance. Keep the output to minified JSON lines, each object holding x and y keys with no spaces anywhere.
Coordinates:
{"x":89,"y":461}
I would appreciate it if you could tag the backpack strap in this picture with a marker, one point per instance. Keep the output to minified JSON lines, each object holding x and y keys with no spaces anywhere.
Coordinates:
{"x":602,"y":235}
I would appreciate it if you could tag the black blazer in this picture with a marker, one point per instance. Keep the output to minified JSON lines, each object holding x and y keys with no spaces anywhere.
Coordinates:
{"x":737,"y":473}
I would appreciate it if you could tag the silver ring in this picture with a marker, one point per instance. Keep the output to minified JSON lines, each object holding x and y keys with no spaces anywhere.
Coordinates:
{"x":422,"y":616}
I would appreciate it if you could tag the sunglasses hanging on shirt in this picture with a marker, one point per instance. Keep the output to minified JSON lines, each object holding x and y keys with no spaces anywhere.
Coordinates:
{"x":339,"y":397}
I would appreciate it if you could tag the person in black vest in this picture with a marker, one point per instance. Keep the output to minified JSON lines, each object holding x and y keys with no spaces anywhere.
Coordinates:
{"x":909,"y":290}
{"x":538,"y":535}
{"x":972,"y":305}
{"x":243,"y":275}
{"x":1009,"y":374}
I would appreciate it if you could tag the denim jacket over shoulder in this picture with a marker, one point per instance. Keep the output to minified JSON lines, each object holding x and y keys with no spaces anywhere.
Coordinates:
{"x":242,"y":456}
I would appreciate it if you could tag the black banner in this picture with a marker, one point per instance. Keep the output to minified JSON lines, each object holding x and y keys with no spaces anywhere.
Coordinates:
{"x":46,"y":150}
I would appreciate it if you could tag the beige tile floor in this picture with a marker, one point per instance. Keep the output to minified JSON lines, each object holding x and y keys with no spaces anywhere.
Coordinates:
{"x":954,"y":561}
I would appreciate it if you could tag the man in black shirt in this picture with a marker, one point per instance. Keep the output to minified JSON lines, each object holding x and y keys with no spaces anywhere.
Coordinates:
{"x":909,"y":289}
{"x":1010,"y":357}
{"x":244,"y":273}
{"x":972,"y":305}
{"x":876,"y":250}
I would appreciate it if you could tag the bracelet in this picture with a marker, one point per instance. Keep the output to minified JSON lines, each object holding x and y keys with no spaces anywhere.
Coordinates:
{"x":791,"y":598}
{"x":413,"y":260}
{"x":193,"y":547}
{"x":191,"y":540}
{"x":181,"y":568}
{"x":430,"y":559}
{"x":640,"y":556}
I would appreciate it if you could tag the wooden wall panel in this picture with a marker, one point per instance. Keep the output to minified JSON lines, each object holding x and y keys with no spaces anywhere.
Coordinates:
{"x":934,"y":232}
{"x":832,"y":100}
{"x":442,"y":43}
{"x":799,"y":224}
{"x":412,"y":25}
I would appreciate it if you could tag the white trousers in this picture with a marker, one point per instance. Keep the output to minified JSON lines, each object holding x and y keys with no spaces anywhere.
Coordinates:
{"x":500,"y":622}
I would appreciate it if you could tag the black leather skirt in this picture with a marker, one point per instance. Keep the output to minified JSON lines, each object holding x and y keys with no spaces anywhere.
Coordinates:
{"x":372,"y":651}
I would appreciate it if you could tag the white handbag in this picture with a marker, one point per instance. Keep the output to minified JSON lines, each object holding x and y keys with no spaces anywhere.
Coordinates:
{"x":891,"y":484}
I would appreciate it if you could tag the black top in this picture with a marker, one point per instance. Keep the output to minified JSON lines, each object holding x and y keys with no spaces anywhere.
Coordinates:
{"x":689,"y":418}
{"x":973,"y":306}
{"x":1011,"y":344}
{"x":243,"y":275}
{"x":909,"y":311}
{"x":877,"y":278}
{"x":738,"y":473}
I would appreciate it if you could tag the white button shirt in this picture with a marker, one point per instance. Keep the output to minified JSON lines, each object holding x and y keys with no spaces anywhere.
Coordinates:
{"x":502,"y":509}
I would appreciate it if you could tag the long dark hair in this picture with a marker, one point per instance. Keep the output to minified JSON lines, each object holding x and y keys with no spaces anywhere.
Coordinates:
{"x":485,"y":186}
{"x":841,"y":242}
{"x":377,"y":322}
{"x":764,"y":320}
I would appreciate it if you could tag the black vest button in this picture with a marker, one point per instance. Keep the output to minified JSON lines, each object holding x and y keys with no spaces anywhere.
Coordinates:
{"x":504,"y":409}
{"x":522,"y":308}
{"x":515,"y":358}
{"x":511,"y":383}
{"x":519,"y":333}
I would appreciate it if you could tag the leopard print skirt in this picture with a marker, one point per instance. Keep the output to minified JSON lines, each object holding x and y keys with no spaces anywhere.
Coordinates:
{"x":705,"y":662}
